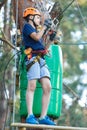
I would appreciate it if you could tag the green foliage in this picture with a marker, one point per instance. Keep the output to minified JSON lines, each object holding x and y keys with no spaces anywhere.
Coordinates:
{"x":73,"y":56}
{"x":78,"y":119}
{"x":74,"y":116}
{"x":73,"y":59}
{"x":84,"y":53}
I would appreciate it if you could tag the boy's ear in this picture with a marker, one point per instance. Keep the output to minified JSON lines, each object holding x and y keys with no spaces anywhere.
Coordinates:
{"x":31,"y":17}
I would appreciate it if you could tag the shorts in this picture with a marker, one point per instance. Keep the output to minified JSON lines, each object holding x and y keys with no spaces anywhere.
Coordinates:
{"x":38,"y":70}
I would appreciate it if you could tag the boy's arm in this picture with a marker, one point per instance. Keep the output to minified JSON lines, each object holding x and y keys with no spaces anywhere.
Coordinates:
{"x":38,"y":36}
{"x":46,"y":26}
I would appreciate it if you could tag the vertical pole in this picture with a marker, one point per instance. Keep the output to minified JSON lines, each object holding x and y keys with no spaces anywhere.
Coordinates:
{"x":15,"y":62}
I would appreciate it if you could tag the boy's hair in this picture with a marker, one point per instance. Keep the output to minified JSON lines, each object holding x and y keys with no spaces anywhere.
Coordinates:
{"x":27,"y":18}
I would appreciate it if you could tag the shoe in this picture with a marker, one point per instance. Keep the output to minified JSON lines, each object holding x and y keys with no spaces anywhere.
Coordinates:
{"x":32,"y":120}
{"x":47,"y":121}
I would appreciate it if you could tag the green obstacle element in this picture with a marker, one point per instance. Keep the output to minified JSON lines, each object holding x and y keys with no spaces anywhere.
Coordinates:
{"x":54,"y":62}
{"x":55,"y":105}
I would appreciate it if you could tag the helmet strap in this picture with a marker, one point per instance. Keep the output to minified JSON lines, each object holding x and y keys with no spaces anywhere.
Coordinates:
{"x":28,"y":18}
{"x":33,"y":21}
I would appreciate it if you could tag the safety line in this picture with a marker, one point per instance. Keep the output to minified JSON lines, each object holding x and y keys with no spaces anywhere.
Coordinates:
{"x":67,"y":6}
{"x":73,"y":44}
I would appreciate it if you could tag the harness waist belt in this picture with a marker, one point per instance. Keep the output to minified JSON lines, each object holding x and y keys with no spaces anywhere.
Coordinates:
{"x":43,"y":52}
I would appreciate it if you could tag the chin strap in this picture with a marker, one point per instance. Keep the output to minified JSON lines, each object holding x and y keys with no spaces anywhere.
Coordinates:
{"x":33,"y":21}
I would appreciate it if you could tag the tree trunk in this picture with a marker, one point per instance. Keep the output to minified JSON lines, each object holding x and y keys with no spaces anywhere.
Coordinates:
{"x":22,"y":4}
{"x":8,"y":74}
{"x":2,"y":106}
{"x":2,"y":3}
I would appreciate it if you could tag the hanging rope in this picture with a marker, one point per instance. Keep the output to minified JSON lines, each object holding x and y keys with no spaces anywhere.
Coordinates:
{"x":62,"y":12}
{"x":84,"y":22}
{"x":16,"y":21}
{"x":74,"y":94}
{"x":68,"y":6}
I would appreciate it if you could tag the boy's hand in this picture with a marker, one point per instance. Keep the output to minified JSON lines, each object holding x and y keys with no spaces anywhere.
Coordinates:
{"x":52,"y":34}
{"x":48,"y":23}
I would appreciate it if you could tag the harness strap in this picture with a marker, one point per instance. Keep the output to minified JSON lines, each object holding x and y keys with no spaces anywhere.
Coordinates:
{"x":36,"y":59}
{"x":43,"y":52}
{"x":29,"y":53}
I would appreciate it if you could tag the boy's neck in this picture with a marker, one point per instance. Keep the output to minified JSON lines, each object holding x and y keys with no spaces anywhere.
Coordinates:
{"x":31,"y":23}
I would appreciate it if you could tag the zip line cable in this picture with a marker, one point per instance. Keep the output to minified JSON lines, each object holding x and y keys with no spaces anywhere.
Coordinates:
{"x":78,"y":9}
{"x":67,"y":6}
{"x":73,"y":44}
{"x":62,"y":12}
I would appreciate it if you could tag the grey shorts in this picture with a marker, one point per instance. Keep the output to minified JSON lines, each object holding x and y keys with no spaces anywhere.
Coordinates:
{"x":38,"y":70}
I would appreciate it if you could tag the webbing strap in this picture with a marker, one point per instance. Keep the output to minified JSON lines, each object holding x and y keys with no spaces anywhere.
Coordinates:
{"x":36,"y":59}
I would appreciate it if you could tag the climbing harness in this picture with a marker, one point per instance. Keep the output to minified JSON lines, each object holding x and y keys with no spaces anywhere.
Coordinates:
{"x":29,"y":52}
{"x":36,"y":59}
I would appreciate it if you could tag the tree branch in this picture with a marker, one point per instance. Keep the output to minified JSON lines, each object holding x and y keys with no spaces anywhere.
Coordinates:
{"x":9,"y":43}
{"x":74,"y":94}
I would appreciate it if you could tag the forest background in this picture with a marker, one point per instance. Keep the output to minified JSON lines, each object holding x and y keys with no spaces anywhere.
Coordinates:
{"x":73,"y":42}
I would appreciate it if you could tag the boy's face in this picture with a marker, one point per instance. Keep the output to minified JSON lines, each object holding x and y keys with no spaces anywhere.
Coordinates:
{"x":37,"y":20}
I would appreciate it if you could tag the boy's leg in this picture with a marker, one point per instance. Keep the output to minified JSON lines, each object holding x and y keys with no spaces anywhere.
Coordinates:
{"x":29,"y":99}
{"x":32,"y":75}
{"x":30,"y":95}
{"x":46,"y":85}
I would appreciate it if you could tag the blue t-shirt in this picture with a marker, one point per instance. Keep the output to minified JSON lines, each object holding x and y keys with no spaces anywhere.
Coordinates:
{"x":30,"y":42}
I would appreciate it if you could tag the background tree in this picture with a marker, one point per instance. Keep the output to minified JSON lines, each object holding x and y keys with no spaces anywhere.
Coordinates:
{"x":74,"y":30}
{"x":5,"y":54}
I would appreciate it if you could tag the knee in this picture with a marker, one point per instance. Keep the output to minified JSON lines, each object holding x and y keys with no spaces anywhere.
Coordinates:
{"x":31,"y":87}
{"x":47,"y":89}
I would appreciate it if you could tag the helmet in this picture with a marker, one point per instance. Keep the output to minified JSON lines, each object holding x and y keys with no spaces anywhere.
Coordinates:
{"x":30,"y":11}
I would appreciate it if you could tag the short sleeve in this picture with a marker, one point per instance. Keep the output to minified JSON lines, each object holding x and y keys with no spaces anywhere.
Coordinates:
{"x":28,"y":29}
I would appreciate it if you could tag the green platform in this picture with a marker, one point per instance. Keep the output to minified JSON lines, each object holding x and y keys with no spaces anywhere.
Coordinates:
{"x":54,"y":62}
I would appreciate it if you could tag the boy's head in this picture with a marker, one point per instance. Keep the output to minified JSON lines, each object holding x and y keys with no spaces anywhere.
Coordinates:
{"x":33,"y":15}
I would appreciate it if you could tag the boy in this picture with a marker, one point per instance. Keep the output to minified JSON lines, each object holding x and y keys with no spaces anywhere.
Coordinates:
{"x":38,"y":71}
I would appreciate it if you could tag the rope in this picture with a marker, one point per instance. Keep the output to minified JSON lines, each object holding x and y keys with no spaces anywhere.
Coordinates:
{"x":73,"y":92}
{"x":73,"y":44}
{"x":81,"y":14}
{"x":66,"y":8}
{"x":16,"y":21}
